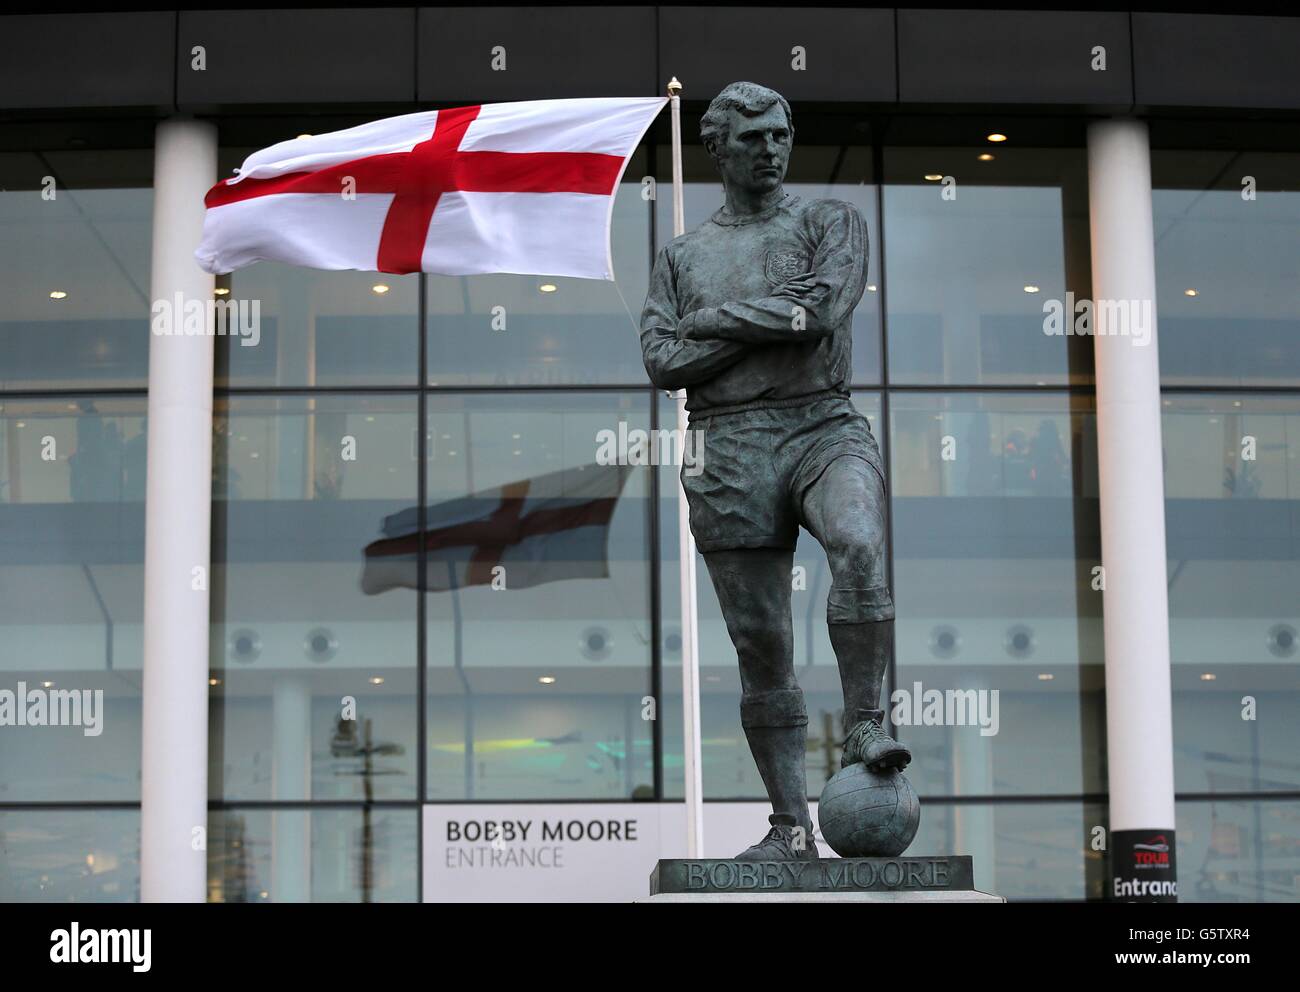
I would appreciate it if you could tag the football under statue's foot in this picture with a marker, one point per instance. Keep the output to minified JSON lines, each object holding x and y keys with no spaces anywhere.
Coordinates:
{"x":868,"y":743}
{"x":786,"y":841}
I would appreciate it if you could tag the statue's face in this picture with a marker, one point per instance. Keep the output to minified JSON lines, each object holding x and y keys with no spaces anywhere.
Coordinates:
{"x":757,"y":150}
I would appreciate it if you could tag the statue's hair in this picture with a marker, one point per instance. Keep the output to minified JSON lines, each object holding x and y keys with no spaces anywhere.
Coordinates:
{"x":750,"y":99}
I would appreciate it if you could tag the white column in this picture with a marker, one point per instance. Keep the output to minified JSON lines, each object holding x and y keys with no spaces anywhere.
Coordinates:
{"x":177,"y":565}
{"x":1136,"y":622}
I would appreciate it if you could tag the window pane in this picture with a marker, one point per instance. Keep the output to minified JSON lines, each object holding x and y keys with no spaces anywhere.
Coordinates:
{"x":76,"y":855}
{"x":1227,"y":229}
{"x":538,"y":605}
{"x":71,"y":595}
{"x":514,"y":330}
{"x":996,"y":536}
{"x":973,"y":262}
{"x":1238,"y":851}
{"x":1232,"y":488}
{"x":312,"y":855}
{"x":315,"y":328}
{"x":75,"y":258}
{"x":1021,"y":851}
{"x":301,"y":487}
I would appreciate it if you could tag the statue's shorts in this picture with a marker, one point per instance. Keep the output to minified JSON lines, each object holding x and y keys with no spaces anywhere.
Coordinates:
{"x":754,"y":466}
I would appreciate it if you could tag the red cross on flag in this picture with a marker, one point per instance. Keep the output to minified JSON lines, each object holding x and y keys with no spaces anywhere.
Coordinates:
{"x":509,"y":187}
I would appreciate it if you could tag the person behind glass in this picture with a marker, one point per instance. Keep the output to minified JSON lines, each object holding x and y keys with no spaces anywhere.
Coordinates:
{"x":751,"y":314}
{"x":95,"y":467}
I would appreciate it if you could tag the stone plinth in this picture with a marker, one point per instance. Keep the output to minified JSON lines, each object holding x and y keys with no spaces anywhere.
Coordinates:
{"x":940,"y":878}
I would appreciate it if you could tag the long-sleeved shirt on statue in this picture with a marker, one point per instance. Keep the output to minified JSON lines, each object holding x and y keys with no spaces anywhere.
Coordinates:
{"x":757,"y":311}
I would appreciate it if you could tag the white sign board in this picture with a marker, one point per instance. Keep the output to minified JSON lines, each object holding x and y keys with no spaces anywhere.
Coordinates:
{"x":569,"y":852}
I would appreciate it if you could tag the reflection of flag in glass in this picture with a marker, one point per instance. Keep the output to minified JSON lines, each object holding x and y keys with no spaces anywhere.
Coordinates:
{"x":544,"y":529}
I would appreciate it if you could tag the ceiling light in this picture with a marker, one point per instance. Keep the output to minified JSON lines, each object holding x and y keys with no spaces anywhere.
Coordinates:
{"x":871,"y":287}
{"x":1031,"y":289}
{"x":547,"y":680}
{"x":1208,"y":676}
{"x":376,"y":680}
{"x":379,"y":289}
{"x":547,"y":287}
{"x":221,"y":291}
{"x":58,"y":294}
{"x":1190,"y":292}
{"x":1045,"y":676}
{"x":986,"y":157}
{"x":933,"y":177}
{"x":995,"y":136}
{"x":214,"y":681}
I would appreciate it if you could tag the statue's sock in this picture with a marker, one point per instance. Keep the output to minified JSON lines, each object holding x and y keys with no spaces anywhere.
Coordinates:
{"x":862,"y":651}
{"x":776,"y":727}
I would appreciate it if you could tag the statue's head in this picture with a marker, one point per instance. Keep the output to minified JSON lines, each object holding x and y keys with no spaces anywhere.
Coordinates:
{"x":748,"y":131}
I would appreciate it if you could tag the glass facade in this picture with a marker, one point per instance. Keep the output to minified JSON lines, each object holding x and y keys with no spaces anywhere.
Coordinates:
{"x":1225,"y":227}
{"x":372,"y":404}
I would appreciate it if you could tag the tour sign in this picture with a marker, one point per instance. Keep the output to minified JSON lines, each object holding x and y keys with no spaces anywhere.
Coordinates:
{"x":912,"y":874}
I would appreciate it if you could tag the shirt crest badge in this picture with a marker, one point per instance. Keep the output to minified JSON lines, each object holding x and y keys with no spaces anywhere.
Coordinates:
{"x":785,"y":265}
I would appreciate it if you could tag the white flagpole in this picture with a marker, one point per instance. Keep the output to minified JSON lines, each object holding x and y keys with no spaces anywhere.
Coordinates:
{"x":686,"y":552}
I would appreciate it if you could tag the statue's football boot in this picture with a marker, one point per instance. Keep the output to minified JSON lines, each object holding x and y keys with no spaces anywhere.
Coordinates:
{"x":867,"y":742}
{"x":782,"y":842}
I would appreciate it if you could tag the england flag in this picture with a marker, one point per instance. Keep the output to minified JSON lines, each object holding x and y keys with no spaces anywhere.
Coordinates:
{"x":509,"y":187}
